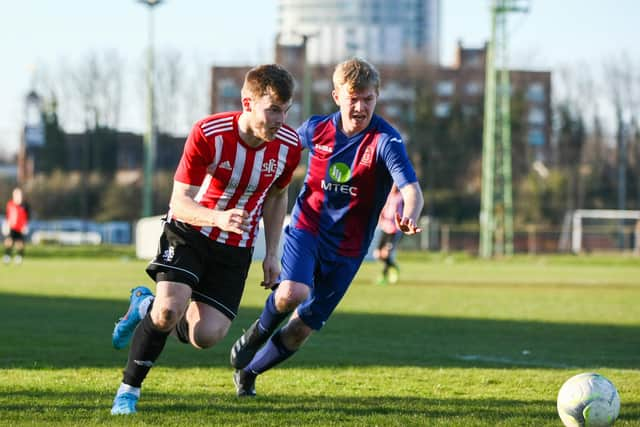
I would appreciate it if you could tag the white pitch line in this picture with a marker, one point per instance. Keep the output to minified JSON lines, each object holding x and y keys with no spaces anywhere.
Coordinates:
{"x":509,"y":361}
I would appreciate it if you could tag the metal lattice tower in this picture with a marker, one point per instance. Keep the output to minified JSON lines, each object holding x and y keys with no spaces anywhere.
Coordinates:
{"x":496,"y":210}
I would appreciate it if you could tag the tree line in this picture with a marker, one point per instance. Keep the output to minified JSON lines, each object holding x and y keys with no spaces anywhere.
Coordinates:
{"x":590,"y":164}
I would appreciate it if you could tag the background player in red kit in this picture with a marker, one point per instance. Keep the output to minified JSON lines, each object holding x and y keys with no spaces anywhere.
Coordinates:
{"x":354,"y":157}
{"x":389,"y":237}
{"x":15,"y":227}
{"x":234,"y":170}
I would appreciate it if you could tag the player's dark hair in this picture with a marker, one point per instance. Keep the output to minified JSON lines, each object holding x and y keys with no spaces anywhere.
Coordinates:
{"x":269,"y":79}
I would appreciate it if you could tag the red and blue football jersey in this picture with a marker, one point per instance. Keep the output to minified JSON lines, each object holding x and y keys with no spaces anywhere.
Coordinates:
{"x":348,"y":180}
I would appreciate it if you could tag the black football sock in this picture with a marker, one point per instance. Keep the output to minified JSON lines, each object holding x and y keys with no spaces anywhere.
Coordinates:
{"x":146,"y":346}
{"x":182,"y":330}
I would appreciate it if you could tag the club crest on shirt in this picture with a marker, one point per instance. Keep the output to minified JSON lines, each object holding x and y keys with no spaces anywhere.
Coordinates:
{"x":367,"y":157}
{"x":270,"y":167}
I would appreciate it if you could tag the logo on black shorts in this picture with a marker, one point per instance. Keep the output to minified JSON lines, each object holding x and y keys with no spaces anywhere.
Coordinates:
{"x":168,"y":254}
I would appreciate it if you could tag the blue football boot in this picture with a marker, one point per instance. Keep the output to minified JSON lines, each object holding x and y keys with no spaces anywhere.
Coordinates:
{"x":124,"y":404}
{"x":140,"y":299}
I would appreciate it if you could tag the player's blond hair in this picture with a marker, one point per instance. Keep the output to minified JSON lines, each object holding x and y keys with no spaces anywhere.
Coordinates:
{"x":357,"y":74}
{"x":269,"y":79}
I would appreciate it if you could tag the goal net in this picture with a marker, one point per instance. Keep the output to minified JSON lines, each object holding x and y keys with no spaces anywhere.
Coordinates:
{"x":603,"y":230}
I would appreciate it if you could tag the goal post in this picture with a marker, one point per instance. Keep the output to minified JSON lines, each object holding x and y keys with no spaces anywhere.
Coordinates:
{"x":578,"y":217}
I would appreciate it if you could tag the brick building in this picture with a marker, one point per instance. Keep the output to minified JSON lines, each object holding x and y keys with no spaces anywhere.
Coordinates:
{"x":460,"y":85}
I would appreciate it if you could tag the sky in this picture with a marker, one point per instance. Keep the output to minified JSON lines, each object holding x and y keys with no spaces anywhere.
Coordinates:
{"x":553,"y":35}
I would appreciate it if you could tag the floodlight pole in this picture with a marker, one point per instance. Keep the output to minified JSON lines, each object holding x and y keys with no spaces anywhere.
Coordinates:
{"x":497,"y":126}
{"x":488,"y":147}
{"x":150,"y":135}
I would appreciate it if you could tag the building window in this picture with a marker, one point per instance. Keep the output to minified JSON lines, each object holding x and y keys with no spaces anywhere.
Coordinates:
{"x":473,"y":88}
{"x":228,"y":88}
{"x":535,"y":137}
{"x":229,"y":106}
{"x":535,"y":92}
{"x":473,"y":60}
{"x":442,"y":109}
{"x":392,"y":90}
{"x":445,"y":88}
{"x":321,"y":86}
{"x":392,"y":111}
{"x":469,"y":110}
{"x":536,"y":116}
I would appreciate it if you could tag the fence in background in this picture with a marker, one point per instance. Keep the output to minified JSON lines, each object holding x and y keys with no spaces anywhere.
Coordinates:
{"x":615,"y":236}
{"x":619,"y":236}
{"x":77,"y":231}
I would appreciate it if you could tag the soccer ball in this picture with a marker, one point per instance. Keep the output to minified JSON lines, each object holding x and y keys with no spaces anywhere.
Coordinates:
{"x":588,"y":400}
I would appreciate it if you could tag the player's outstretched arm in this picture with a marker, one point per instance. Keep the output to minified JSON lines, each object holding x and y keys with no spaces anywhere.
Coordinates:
{"x":186,"y":209}
{"x":413,"y":203}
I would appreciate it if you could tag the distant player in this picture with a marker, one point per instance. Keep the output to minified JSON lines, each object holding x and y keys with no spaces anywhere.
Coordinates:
{"x":354,"y":158}
{"x":235,"y":169}
{"x":15,"y":227}
{"x":389,"y":237}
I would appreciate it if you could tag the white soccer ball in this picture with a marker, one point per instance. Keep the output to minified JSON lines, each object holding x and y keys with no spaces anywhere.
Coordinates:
{"x":588,"y":400}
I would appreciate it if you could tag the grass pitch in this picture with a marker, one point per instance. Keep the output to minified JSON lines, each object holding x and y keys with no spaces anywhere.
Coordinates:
{"x":458,"y":342}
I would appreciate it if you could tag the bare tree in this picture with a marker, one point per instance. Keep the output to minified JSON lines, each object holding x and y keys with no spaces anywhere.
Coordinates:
{"x":97,"y":81}
{"x":197,"y":93}
{"x":88,"y":93}
{"x":169,"y":82}
{"x":623,"y":88}
{"x":577,"y":100}
{"x":182,"y":91}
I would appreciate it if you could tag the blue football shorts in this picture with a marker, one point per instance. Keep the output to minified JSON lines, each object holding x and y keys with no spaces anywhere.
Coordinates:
{"x":306,"y":260}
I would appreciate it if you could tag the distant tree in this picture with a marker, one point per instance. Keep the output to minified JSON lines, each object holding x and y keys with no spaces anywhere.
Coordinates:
{"x":169,"y":86}
{"x":635,"y":166}
{"x":623,"y":90}
{"x":65,"y":195}
{"x":97,"y":83}
{"x":541,"y":200}
{"x":195,"y":98}
{"x":571,"y":138}
{"x":103,"y":150}
{"x":120,"y":202}
{"x":53,"y":154}
{"x":423,"y":137}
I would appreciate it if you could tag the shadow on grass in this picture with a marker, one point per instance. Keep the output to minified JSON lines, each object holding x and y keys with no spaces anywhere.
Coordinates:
{"x":45,"y":332}
{"x":226,"y":409}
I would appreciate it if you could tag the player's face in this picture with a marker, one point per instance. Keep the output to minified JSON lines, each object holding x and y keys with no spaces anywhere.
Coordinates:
{"x":267,"y":116}
{"x":356,"y":108}
{"x":17,"y":196}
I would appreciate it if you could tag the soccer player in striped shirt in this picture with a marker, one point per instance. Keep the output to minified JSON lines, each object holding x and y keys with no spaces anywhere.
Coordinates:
{"x":354,"y":158}
{"x":235,"y":169}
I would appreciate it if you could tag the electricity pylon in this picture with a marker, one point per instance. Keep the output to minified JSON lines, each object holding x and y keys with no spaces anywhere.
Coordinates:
{"x":496,"y":210}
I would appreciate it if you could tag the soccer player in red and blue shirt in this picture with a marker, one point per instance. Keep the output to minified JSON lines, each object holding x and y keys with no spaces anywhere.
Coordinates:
{"x":234,"y":170}
{"x":354,"y":158}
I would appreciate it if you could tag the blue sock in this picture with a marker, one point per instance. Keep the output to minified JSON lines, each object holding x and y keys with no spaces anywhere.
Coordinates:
{"x":270,"y":317}
{"x":270,"y":355}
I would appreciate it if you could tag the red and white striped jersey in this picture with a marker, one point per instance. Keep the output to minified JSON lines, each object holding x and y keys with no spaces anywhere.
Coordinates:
{"x":232,"y":174}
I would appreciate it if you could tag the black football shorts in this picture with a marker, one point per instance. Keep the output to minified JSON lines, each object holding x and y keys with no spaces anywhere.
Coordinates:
{"x":216,"y":272}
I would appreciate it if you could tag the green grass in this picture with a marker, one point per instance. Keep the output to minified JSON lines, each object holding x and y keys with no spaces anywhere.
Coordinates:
{"x":458,"y":342}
